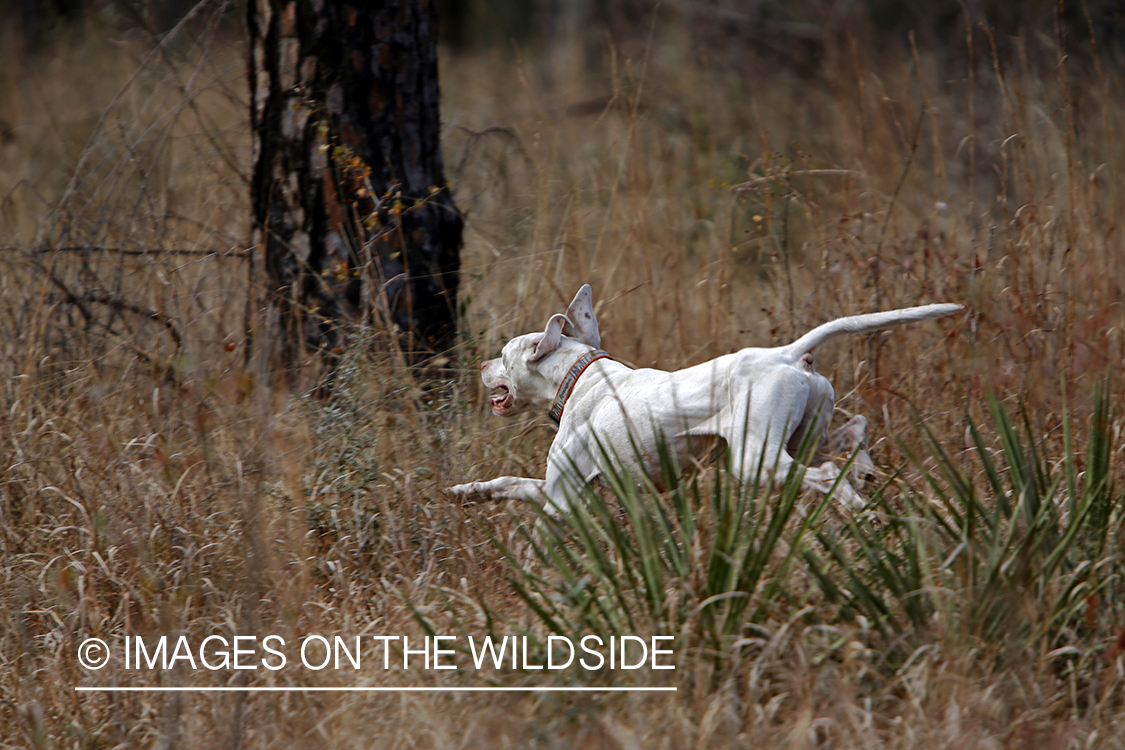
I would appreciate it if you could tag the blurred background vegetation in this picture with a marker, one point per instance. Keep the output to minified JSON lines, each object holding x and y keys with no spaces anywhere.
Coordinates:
{"x":725,"y":174}
{"x":789,"y":32}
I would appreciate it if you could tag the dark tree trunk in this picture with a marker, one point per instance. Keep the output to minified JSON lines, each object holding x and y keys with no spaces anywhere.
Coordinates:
{"x":352,"y":214}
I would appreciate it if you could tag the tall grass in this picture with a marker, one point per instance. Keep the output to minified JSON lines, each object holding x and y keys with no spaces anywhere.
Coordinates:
{"x":689,"y":562}
{"x":1027,"y":557}
{"x":154,"y":479}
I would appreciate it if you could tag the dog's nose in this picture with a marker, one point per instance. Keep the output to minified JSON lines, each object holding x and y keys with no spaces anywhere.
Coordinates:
{"x":483,"y":365}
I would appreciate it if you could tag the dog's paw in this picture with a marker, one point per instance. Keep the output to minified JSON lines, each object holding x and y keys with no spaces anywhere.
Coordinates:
{"x":501,"y":488}
{"x":467,"y":490}
{"x":871,"y":517}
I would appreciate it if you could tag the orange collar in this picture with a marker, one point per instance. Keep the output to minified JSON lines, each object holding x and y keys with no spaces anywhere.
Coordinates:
{"x":568,"y":383}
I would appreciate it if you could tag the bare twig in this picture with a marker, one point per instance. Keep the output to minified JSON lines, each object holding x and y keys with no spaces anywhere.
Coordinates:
{"x":79,"y":168}
{"x":116,"y":301}
{"x":751,"y":184}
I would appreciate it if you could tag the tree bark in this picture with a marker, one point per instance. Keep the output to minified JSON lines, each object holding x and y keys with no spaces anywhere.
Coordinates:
{"x":353,"y":218}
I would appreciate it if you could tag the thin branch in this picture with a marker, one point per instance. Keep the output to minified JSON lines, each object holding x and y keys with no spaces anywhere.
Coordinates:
{"x":751,"y":184}
{"x":116,"y":301}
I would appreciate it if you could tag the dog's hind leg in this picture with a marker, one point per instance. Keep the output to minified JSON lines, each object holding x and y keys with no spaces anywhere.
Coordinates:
{"x":849,"y":439}
{"x":813,"y":424}
{"x":760,"y":426}
{"x":759,"y":422}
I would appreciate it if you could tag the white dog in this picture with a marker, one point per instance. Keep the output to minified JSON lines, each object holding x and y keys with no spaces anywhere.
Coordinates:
{"x":761,"y":402}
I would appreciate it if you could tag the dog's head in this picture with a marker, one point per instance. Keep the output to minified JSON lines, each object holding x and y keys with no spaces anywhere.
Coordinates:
{"x":526,"y":372}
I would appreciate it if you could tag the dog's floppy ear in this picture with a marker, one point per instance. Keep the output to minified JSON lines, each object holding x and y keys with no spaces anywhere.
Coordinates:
{"x":549,"y":341}
{"x":580,"y":321}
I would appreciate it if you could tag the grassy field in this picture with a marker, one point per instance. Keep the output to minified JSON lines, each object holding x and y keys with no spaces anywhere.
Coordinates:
{"x":157,"y":481}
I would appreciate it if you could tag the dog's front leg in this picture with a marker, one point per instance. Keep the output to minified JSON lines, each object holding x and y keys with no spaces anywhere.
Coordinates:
{"x":503,"y":488}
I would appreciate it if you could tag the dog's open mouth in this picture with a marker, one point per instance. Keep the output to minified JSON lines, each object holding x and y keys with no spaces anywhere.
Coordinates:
{"x":502,"y":401}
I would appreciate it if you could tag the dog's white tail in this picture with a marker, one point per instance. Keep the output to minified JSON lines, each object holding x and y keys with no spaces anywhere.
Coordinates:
{"x":869,"y":322}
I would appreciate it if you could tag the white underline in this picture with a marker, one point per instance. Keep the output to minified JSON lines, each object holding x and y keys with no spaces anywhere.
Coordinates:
{"x":287,"y":689}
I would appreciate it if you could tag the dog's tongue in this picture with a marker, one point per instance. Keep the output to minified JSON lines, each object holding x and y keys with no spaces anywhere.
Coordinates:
{"x":501,"y":400}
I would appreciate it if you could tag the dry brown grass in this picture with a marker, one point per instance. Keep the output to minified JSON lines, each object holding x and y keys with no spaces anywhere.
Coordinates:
{"x":156,"y":481}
